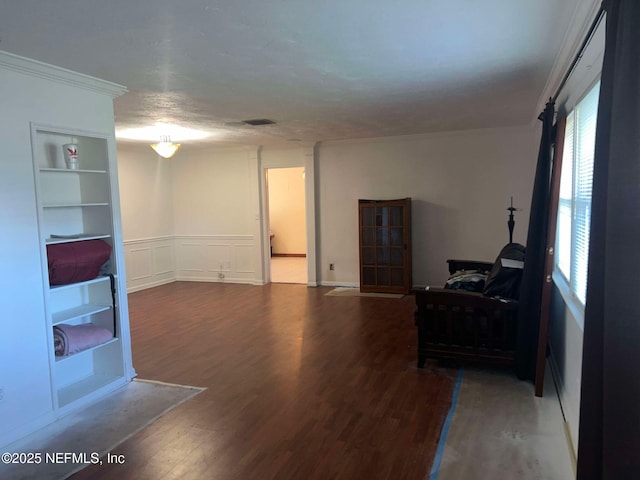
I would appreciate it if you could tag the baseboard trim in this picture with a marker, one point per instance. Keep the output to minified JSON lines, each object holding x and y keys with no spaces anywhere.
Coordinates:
{"x":242,"y":281}
{"x":298,"y":255}
{"x":559,"y":386}
{"x":572,"y":454}
{"x":145,"y":286}
{"x":7,"y":438}
{"x":339,"y":284}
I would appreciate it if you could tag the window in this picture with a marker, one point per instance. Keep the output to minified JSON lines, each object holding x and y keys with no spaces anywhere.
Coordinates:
{"x":574,"y":208}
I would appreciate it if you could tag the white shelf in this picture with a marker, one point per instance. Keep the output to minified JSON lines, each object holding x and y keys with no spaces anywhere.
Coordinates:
{"x":83,"y":352}
{"x":77,"y":312}
{"x":75,"y":205}
{"x":76,"y":391}
{"x":73,"y":285}
{"x":53,"y":241}
{"x":68,"y":170}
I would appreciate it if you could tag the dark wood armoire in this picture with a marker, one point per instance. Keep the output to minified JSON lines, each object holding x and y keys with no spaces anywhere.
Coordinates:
{"x":385,"y":245}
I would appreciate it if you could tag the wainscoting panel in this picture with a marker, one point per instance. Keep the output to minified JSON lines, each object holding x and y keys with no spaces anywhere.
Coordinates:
{"x":219,"y":257}
{"x":190,"y":256}
{"x":138,"y":261}
{"x":215,"y":258}
{"x":203,"y":258}
{"x":149,"y":262}
{"x":164,"y":261}
{"x":244,"y":258}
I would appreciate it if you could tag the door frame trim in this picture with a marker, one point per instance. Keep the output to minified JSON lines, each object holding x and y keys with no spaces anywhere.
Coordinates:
{"x":306,"y":159}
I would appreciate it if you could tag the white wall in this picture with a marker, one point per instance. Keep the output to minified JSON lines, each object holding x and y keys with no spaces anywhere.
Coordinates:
{"x":147,"y":190}
{"x":212,"y":192}
{"x":286,"y":210}
{"x":460,"y":184}
{"x":146,"y":195}
{"x":25,"y":377}
{"x":215,"y":215}
{"x":565,"y":338}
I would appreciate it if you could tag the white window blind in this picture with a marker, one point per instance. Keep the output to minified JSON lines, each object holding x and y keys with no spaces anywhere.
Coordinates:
{"x":566,"y":201}
{"x":574,"y":209}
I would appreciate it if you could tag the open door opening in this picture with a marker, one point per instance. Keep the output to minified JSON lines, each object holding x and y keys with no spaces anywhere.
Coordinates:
{"x":287,"y":224}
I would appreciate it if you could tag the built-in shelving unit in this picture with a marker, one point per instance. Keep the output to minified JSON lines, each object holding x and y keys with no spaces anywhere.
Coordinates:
{"x":86,"y":352}
{"x":69,"y":171}
{"x":43,"y":108}
{"x":53,"y":241}
{"x":75,"y":313}
{"x":74,"y":206}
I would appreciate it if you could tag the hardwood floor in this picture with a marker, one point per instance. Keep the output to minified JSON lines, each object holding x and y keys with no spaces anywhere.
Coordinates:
{"x":299,"y":386}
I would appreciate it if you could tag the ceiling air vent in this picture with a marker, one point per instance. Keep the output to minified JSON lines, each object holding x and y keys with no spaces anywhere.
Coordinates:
{"x":259,"y":121}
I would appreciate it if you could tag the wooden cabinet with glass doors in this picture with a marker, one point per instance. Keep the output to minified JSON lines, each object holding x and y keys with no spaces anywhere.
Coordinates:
{"x":385,"y":245}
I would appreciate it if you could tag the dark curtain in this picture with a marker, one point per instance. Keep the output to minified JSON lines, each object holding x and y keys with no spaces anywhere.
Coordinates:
{"x":532,"y":276}
{"x":609,"y":441}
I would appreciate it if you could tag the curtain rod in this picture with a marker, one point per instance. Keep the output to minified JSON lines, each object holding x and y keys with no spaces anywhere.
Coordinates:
{"x":583,"y":47}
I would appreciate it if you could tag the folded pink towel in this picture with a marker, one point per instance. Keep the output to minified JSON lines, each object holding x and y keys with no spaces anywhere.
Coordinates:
{"x":70,"y":339}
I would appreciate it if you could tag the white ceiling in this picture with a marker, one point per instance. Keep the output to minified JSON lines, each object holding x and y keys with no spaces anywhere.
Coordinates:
{"x":322,"y":69}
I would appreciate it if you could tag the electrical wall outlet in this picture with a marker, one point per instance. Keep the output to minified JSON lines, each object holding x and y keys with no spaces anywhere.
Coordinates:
{"x":332,"y":266}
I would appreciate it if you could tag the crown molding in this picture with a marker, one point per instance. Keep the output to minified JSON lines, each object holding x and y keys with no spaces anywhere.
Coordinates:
{"x":417,"y":137}
{"x":583,"y":16}
{"x":35,"y":68}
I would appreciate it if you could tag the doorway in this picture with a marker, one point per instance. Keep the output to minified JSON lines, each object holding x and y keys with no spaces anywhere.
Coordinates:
{"x":287,"y":224}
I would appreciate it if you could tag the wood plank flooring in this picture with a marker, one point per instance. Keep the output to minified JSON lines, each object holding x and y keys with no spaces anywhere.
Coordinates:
{"x":299,"y":386}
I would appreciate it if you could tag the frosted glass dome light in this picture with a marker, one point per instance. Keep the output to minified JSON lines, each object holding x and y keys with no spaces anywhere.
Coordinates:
{"x":165,"y":149}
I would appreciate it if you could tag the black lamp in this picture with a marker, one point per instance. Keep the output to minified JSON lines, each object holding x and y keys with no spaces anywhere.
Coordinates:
{"x":511,"y":223}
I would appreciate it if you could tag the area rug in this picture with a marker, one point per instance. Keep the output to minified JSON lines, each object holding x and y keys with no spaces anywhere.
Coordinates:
{"x":355,"y":292}
{"x":95,"y":430}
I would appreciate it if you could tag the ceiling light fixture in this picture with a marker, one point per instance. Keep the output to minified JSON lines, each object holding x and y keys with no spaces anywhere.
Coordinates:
{"x":165,"y":148}
{"x":154,"y":132}
{"x":256,"y":122}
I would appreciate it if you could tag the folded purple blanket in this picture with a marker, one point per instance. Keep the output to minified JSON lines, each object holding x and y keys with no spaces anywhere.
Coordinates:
{"x":69,"y":339}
